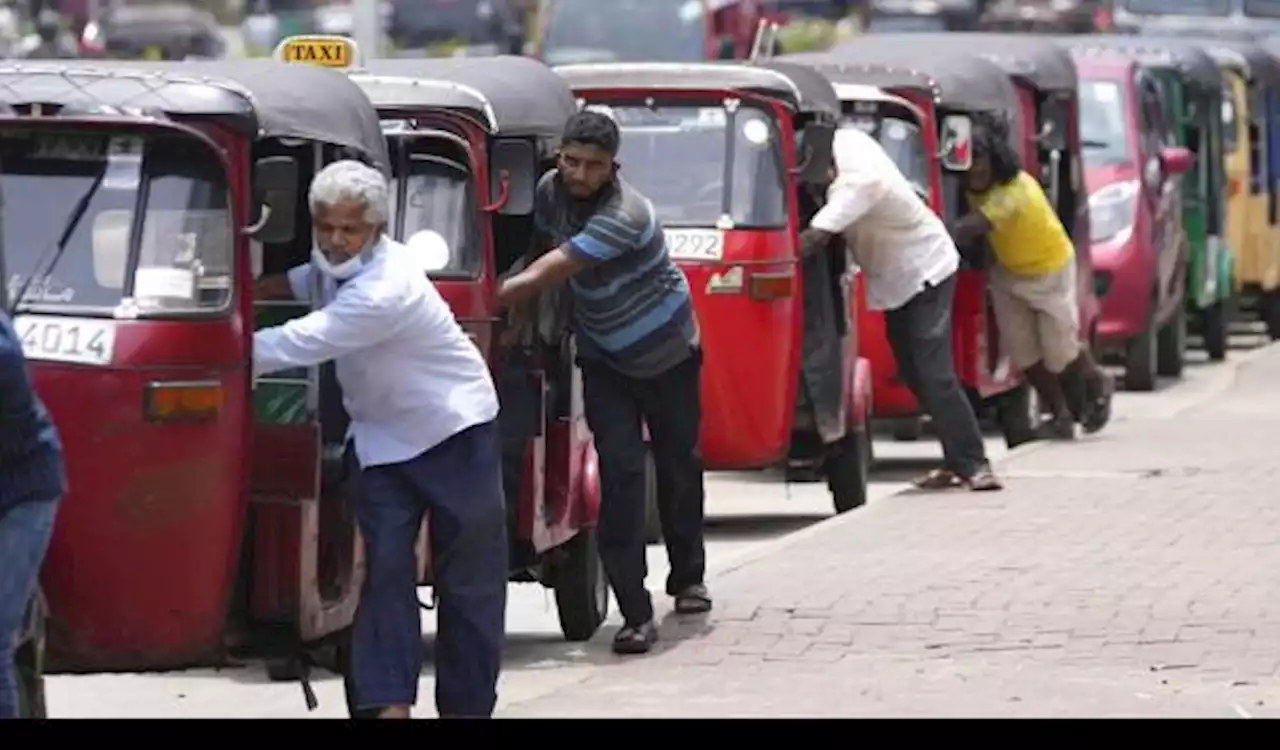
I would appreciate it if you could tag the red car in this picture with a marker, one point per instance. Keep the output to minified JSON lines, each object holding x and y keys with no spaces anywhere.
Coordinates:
{"x":1139,"y":250}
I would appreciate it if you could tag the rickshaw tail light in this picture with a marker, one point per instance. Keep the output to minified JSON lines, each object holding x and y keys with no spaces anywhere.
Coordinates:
{"x":770,"y":286}
{"x":183,"y":401}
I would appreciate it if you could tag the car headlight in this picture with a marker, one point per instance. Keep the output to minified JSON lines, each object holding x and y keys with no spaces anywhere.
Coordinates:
{"x":1111,"y":211}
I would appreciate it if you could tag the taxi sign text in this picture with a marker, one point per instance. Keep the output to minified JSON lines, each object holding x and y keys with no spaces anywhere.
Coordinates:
{"x":328,"y":52}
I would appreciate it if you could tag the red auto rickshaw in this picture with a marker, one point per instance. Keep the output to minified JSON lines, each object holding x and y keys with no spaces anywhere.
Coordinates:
{"x":202,"y":518}
{"x":1045,"y":78}
{"x":730,"y":154}
{"x":946,"y":92}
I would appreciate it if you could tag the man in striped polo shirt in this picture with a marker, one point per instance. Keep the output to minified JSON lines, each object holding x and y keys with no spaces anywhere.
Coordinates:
{"x":641,"y":359}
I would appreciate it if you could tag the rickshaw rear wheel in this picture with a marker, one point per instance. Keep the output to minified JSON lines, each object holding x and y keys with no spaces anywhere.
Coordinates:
{"x":1141,"y":363}
{"x":652,"y":517}
{"x":29,"y":661}
{"x":848,"y":471}
{"x":1018,"y":414}
{"x":1269,"y":306}
{"x":582,"y":590}
{"x":1171,"y":345}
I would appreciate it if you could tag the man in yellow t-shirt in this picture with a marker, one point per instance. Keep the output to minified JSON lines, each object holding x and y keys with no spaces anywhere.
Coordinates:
{"x":1033,"y":283}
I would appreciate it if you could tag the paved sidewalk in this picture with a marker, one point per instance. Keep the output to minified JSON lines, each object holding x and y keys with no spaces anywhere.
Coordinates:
{"x":1135,"y":573}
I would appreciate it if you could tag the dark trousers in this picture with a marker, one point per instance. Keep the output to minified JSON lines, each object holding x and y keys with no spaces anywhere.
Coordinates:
{"x":25,"y":530}
{"x":460,"y":482}
{"x":920,"y":335}
{"x":670,"y":405}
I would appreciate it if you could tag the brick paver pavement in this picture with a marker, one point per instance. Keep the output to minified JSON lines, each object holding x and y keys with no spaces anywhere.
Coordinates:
{"x":1134,"y":573}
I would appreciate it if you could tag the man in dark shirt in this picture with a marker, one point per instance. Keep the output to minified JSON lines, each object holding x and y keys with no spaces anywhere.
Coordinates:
{"x":641,"y":359}
{"x":32,"y":480}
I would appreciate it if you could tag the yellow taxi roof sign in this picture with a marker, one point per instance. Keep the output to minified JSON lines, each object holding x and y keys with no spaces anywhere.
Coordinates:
{"x":325,"y":50}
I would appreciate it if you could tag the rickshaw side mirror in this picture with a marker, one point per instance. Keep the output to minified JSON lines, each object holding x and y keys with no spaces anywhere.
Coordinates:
{"x":814,"y":159}
{"x":275,"y":191}
{"x":513,"y":175}
{"x":1175,"y":160}
{"x":956,"y":138}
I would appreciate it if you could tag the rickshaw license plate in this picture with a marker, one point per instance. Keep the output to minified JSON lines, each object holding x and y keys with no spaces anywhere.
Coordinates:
{"x":695,"y":244}
{"x":80,"y":340}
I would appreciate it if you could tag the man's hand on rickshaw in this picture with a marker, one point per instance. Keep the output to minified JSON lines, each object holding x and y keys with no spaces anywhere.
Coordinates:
{"x":813,"y":241}
{"x":274,"y":287}
{"x":545,"y":272}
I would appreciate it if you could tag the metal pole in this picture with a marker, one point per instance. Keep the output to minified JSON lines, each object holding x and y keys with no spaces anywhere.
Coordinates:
{"x":367,"y":28}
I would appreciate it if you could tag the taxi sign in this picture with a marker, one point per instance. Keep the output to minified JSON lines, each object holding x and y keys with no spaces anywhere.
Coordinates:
{"x":328,"y":51}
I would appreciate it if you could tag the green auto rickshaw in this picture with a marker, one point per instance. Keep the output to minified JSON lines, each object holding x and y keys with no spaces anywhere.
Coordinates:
{"x":1192,"y":88}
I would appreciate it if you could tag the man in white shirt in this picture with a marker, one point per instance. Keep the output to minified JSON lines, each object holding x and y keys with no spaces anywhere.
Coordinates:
{"x":423,"y":411}
{"x":909,"y":264}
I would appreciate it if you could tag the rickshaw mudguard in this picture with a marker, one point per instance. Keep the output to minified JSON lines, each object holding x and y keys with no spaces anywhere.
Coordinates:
{"x":752,"y":351}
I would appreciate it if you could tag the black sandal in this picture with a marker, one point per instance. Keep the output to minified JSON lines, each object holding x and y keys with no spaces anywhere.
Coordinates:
{"x":693,"y":600}
{"x":635,"y":639}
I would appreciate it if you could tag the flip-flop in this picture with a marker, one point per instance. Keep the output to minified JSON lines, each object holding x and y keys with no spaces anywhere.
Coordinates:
{"x":938,"y":479}
{"x":635,"y":639}
{"x":984,"y":481}
{"x":694,"y":600}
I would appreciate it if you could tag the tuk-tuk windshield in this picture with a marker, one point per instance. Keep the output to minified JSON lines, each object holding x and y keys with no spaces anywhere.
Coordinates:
{"x":698,"y":164}
{"x":902,"y":141}
{"x":146,"y":218}
{"x":1103,"y":132}
{"x":581,"y":31}
{"x":431,"y":191}
{"x":1179,"y":7}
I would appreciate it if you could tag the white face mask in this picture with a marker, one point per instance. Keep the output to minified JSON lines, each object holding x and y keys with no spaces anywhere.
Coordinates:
{"x":343,"y":271}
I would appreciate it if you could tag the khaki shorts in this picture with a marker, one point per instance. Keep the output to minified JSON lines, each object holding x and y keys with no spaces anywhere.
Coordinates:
{"x":1037,"y":316}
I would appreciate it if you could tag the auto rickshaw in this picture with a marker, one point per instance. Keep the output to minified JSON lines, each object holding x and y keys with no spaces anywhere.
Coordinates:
{"x":735,"y":158}
{"x":949,"y":91}
{"x":469,"y":138}
{"x":203,"y":519}
{"x":1044,"y":77}
{"x":1192,"y":87}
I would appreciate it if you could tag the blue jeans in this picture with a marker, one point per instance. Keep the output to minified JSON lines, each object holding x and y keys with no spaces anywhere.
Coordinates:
{"x":25,"y":530}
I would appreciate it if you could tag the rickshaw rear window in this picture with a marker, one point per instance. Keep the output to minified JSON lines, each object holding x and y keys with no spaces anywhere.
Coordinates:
{"x":700,"y":163}
{"x":902,"y":141}
{"x":435,"y":192}
{"x":1103,"y":132}
{"x":174,"y":255}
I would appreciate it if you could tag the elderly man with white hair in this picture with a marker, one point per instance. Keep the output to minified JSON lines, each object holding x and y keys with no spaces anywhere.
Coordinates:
{"x":424,"y":430}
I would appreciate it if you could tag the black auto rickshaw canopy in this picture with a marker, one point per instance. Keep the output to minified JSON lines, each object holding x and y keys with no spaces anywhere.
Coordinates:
{"x":802,"y":88}
{"x":1044,"y":66}
{"x":507,"y":94}
{"x":259,"y":97}
{"x":1195,"y":65}
{"x":171,"y":30}
{"x":956,"y":82}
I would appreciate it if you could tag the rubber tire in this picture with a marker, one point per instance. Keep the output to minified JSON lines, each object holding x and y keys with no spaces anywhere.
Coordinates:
{"x":29,"y":662}
{"x":1171,"y":345}
{"x":908,"y":429}
{"x":1014,"y":415}
{"x":1214,"y":330}
{"x":1270,"y":309}
{"x":652,"y":519}
{"x":582,"y":590}
{"x":1142,"y":360}
{"x":848,"y":471}
{"x":283,"y":670}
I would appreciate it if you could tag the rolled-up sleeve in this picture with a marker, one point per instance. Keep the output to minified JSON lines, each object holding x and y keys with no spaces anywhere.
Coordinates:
{"x":356,"y":319}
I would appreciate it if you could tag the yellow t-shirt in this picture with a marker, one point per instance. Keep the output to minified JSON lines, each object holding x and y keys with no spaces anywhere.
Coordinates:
{"x":1027,"y":237}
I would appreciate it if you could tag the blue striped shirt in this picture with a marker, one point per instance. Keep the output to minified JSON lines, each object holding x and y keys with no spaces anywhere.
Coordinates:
{"x":31,"y":468}
{"x":631,"y":305}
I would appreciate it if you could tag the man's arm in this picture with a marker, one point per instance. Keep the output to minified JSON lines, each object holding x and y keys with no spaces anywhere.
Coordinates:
{"x":355,"y":320}
{"x":970,"y":228}
{"x":849,"y":201}
{"x":607,"y":235}
{"x":283,"y":286}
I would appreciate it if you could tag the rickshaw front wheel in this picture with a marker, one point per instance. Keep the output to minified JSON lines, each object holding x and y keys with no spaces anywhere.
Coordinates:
{"x":848,"y":471}
{"x":652,"y":520}
{"x":582,"y":590}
